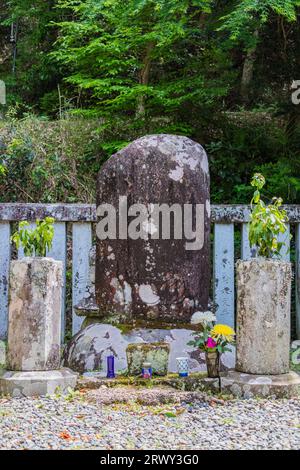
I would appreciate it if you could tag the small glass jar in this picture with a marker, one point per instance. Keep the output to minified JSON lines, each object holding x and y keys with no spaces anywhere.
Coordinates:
{"x":183,"y":366}
{"x":146,"y":370}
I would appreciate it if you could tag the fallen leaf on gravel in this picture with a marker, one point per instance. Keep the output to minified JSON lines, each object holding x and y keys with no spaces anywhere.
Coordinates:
{"x":65,"y":435}
{"x":169,"y":414}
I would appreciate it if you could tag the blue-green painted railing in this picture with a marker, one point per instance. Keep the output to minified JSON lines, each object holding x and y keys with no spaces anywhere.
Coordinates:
{"x":225,"y":220}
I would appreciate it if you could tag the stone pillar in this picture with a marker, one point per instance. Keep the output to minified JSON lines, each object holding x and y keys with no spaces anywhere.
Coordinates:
{"x":34,"y":328}
{"x":263,"y":316}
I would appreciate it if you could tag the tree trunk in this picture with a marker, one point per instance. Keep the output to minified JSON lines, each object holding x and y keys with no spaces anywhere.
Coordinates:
{"x":248,"y":69}
{"x":144,"y":79}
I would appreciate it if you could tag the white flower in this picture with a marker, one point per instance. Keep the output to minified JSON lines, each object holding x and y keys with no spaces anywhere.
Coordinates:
{"x":203,"y":318}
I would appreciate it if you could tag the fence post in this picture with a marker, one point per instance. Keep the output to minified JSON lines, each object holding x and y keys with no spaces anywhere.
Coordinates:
{"x":285,"y":249}
{"x":82,"y":243}
{"x":297,"y":280}
{"x":4,"y":276}
{"x":224,"y":272}
{"x":59,"y":252}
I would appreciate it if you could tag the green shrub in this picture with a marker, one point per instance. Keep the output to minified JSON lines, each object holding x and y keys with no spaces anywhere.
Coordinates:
{"x":266,"y":222}
{"x":37,"y":241}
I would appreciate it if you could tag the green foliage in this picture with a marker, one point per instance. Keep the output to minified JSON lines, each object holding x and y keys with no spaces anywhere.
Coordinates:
{"x":37,"y":241}
{"x":249,"y":15}
{"x":50,"y":161}
{"x":2,"y":170}
{"x":138,"y":58}
{"x":266,"y":221}
{"x":35,"y":74}
{"x":133,"y":67}
{"x":58,"y":161}
{"x":243,"y":143}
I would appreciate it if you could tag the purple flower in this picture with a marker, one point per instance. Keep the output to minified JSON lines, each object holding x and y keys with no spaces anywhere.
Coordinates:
{"x":211,"y":343}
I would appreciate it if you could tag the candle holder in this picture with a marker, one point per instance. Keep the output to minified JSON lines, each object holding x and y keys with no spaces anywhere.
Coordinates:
{"x":110,"y":367}
{"x":183,"y":366}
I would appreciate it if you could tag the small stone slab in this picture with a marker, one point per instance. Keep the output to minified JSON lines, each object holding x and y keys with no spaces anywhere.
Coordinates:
{"x":37,"y":383}
{"x":148,"y":396}
{"x":195,"y":383}
{"x":249,"y":385}
{"x":155,"y":353}
{"x":198,"y":382}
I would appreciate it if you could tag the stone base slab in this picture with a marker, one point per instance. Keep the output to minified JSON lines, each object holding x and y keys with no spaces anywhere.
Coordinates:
{"x":36,"y":383}
{"x":250,"y":385}
{"x":193,"y":383}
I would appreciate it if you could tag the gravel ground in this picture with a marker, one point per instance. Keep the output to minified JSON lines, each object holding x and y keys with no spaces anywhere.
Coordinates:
{"x":80,"y":422}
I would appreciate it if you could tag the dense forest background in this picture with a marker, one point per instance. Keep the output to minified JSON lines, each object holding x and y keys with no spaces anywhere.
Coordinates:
{"x":85,"y":77}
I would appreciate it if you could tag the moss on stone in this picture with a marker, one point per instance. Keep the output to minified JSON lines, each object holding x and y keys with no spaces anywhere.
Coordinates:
{"x":155,"y":353}
{"x":145,"y":347}
{"x":194,"y":382}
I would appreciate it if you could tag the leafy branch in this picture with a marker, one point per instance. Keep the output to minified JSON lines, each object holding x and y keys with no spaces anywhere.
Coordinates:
{"x":266,"y":222}
{"x":37,"y":241}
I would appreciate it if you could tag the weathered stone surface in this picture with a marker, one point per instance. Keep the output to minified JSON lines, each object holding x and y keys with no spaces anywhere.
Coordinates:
{"x":263,"y":316}
{"x":295,"y":344}
{"x":189,"y":387}
{"x":36,"y":383}
{"x":87,"y":350}
{"x":157,"y":354}
{"x":2,"y":354}
{"x":88,"y":307}
{"x":148,"y":396}
{"x":149,"y":279}
{"x":34,"y":329}
{"x":251,"y":385}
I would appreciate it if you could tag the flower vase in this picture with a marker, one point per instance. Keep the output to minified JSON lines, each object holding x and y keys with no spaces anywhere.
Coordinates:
{"x":212,"y":363}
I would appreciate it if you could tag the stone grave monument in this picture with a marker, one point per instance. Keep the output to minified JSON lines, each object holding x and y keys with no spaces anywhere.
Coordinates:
{"x":153,"y":269}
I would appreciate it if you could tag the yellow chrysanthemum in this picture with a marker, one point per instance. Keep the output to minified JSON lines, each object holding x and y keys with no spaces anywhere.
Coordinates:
{"x":223,"y":331}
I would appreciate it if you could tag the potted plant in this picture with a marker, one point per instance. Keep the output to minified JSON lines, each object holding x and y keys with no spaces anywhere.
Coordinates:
{"x":264,"y":291}
{"x":213,"y":340}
